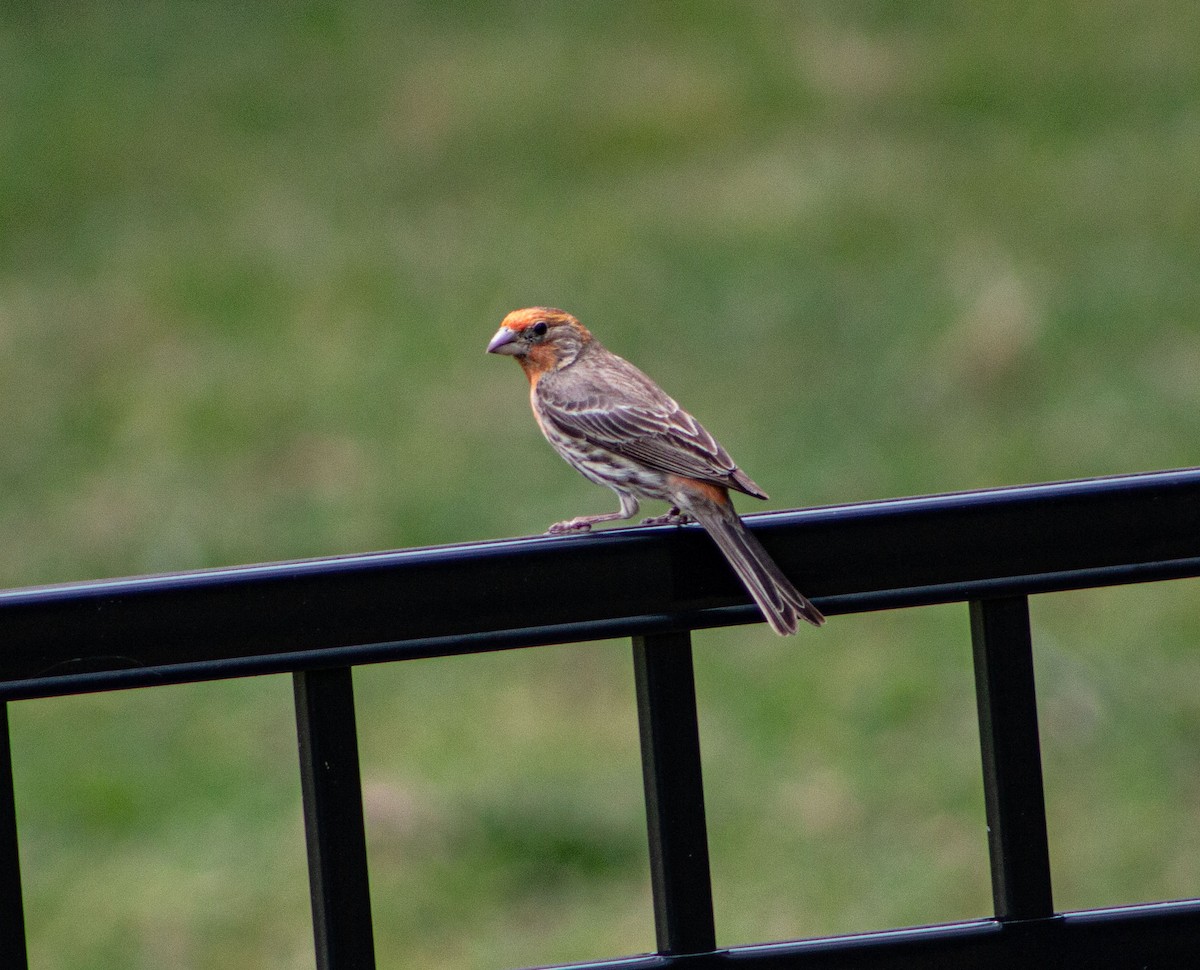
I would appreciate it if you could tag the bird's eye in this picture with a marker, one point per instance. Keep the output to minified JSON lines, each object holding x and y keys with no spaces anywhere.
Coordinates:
{"x":539,"y":329}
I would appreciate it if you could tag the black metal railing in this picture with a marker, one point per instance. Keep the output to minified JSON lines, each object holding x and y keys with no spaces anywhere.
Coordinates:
{"x":318,"y":618}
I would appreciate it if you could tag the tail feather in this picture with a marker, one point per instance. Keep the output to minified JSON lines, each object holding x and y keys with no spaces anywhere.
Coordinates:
{"x":781,"y":603}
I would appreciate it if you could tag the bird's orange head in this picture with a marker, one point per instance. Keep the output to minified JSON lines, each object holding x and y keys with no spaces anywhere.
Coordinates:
{"x":541,"y":338}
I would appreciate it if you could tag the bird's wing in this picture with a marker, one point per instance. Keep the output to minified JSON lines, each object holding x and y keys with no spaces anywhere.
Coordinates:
{"x":622,"y":410}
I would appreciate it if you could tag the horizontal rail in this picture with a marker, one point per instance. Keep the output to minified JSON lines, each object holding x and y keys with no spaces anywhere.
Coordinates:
{"x":476,"y":597}
{"x":1144,"y":937}
{"x":318,"y":617}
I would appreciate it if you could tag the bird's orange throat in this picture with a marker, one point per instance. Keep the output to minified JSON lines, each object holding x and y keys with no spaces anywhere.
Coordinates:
{"x":540,"y":359}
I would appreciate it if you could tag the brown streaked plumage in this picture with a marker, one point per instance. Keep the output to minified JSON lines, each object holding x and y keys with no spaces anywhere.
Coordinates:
{"x":621,"y":430}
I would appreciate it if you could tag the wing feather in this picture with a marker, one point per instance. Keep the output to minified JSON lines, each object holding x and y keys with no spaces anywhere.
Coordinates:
{"x":617,"y":407}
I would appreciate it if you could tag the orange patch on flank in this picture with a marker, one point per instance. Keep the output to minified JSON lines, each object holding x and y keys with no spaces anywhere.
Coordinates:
{"x":712,"y":492}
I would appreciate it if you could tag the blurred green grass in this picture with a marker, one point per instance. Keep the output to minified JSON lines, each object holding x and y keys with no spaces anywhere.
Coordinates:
{"x":249,"y":259}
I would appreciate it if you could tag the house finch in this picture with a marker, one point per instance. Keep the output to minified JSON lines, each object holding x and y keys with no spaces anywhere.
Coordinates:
{"x":620,"y":429}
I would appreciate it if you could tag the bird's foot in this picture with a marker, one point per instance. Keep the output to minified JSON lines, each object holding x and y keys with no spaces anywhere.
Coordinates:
{"x":582,"y":523}
{"x":673,"y":517}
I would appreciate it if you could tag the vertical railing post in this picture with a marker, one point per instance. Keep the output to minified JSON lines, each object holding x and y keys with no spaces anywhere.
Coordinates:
{"x":12,"y":911}
{"x":1012,"y":761}
{"x":671,"y":771}
{"x":333,"y":819}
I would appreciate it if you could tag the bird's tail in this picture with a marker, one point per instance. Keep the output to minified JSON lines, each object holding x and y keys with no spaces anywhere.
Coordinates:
{"x":781,"y":603}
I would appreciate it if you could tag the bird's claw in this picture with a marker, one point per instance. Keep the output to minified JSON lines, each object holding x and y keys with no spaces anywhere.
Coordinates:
{"x":673,"y":517}
{"x":570,"y":525}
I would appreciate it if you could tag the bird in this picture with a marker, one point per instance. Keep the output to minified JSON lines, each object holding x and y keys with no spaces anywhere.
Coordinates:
{"x":619,"y":429}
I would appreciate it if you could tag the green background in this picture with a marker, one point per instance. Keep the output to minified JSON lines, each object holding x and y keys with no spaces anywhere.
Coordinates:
{"x":250,"y":256}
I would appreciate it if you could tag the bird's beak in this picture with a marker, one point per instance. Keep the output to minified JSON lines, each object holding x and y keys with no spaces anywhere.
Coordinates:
{"x":504,"y":342}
